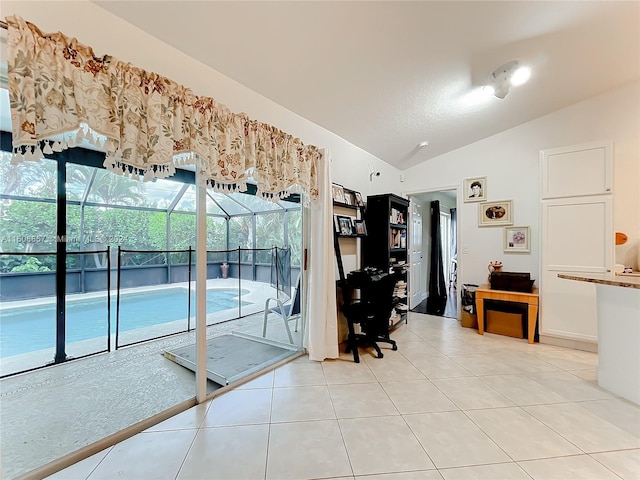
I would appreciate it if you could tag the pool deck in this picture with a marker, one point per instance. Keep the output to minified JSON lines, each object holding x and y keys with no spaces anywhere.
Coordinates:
{"x":51,"y":412}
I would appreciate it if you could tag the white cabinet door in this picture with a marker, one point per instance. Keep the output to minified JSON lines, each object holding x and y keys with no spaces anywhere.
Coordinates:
{"x":416,"y":288}
{"x":576,"y":231}
{"x":578,"y":170}
{"x":576,"y":237}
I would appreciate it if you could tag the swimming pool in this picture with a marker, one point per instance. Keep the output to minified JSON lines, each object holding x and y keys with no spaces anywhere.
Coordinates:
{"x":29,"y":329}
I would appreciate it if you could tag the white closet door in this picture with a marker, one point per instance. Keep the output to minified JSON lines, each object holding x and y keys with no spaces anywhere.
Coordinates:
{"x":418,"y":291}
{"x":576,"y":237}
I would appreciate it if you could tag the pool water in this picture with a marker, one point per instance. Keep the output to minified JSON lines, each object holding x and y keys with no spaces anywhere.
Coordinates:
{"x":29,"y":329}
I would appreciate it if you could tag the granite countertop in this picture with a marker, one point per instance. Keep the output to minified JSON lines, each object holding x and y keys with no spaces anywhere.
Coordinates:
{"x":625,"y":281}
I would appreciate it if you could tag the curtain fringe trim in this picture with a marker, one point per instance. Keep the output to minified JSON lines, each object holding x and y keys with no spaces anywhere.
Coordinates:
{"x":115,"y":164}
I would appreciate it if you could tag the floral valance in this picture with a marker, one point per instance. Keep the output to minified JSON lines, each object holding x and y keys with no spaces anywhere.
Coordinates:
{"x":62,"y":94}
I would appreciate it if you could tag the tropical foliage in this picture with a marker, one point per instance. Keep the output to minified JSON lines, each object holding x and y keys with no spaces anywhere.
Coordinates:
{"x":28,"y":224}
{"x":31,"y":265}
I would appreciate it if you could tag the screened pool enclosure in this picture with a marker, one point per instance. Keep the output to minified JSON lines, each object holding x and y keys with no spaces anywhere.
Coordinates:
{"x":79,"y":242}
{"x":125,"y":272}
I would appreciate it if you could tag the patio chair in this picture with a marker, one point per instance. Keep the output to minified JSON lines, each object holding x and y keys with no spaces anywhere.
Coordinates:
{"x":287,"y":311}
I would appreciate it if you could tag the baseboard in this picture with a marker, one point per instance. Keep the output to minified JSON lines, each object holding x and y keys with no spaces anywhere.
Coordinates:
{"x":566,"y":343}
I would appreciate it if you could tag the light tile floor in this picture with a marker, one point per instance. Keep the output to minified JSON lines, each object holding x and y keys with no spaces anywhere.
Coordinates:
{"x":449,"y":404}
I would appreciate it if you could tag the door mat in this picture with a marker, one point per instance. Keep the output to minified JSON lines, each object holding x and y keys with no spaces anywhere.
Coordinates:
{"x":231,"y":357}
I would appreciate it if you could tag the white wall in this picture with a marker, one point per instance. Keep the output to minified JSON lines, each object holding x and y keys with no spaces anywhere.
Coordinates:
{"x":510,"y":160}
{"x":108,"y":34}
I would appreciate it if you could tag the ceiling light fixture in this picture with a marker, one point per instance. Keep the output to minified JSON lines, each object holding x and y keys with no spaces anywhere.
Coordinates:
{"x":505,"y":76}
{"x":423,"y":144}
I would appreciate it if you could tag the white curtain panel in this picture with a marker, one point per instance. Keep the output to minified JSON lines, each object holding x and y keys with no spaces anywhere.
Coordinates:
{"x":322,"y":339}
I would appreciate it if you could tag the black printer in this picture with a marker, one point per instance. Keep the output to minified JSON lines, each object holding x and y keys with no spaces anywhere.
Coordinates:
{"x":512,"y":281}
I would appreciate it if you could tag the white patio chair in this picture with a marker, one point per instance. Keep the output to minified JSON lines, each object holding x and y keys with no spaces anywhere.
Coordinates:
{"x":287,"y":311}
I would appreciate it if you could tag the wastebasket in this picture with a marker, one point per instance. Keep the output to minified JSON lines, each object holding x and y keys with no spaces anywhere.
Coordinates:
{"x":469,"y":317}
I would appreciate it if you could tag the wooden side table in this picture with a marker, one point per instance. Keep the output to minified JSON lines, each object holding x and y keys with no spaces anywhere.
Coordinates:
{"x":531,"y":299}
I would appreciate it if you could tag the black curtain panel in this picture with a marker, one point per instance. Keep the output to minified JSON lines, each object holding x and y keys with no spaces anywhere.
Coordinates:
{"x":453,"y":273}
{"x":437,"y":298}
{"x":454,"y":233}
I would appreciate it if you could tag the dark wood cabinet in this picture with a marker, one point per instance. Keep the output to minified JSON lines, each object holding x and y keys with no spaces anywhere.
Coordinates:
{"x":385,"y":246}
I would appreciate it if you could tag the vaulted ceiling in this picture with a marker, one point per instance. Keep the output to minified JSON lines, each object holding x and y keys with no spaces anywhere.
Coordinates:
{"x":387,"y":75}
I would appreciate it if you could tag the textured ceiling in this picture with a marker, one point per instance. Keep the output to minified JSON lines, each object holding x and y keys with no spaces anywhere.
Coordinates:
{"x":387,"y":75}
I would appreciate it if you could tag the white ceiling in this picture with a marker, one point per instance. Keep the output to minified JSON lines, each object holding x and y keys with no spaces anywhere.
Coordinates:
{"x":386,"y":75}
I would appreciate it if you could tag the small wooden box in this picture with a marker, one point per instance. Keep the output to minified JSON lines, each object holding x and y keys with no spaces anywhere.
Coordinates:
{"x":502,"y":323}
{"x":469,"y":320}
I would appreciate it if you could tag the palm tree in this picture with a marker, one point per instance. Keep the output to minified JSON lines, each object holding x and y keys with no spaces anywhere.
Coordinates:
{"x":114,"y":189}
{"x":29,"y":179}
{"x":108,"y":188}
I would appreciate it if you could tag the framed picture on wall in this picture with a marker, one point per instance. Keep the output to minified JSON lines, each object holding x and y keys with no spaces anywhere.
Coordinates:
{"x":517,"y":239}
{"x":475,"y":189}
{"x":497,"y":212}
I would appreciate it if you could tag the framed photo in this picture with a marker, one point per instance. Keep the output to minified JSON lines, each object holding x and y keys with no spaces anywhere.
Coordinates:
{"x":349,"y":197}
{"x":498,"y":212}
{"x":475,"y":189}
{"x":517,"y":239}
{"x":337,"y":193}
{"x":343,"y":225}
{"x":336,"y":224}
{"x":360,"y":227}
{"x":359,"y":201}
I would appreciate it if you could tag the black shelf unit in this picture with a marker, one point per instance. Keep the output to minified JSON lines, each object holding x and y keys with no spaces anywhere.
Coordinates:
{"x":346,"y":205}
{"x":385,"y":246}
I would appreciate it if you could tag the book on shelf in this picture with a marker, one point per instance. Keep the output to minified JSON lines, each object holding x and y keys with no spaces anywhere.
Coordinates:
{"x":400,"y":289}
{"x":396,"y":238}
{"x":396,"y":216}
